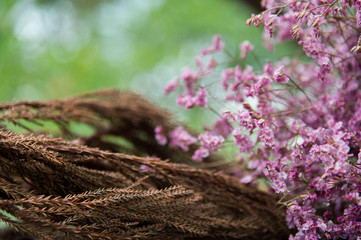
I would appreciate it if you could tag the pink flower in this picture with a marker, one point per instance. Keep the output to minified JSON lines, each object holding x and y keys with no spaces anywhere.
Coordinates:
{"x":222,"y":127}
{"x":246,"y":179}
{"x":210,"y":142}
{"x":201,"y":97}
{"x":229,"y":115}
{"x":189,"y":77}
{"x":217,"y":45}
{"x":185,"y":100}
{"x":269,"y":21}
{"x":226,"y":77}
{"x":188,"y":101}
{"x":268,"y":42}
{"x":200,"y":154}
{"x":266,"y":136}
{"x":212,"y":64}
{"x":159,"y":135}
{"x":243,"y":142}
{"x":181,"y":138}
{"x":325,"y":67}
{"x":255,"y":19}
{"x":205,"y":71}
{"x":310,"y":152}
{"x":245,"y":48}
{"x":260,"y":84}
{"x":145,"y":168}
{"x":171,"y":86}
{"x":268,"y":68}
{"x":279,"y":76}
{"x":237,"y":78}
{"x":245,"y":120}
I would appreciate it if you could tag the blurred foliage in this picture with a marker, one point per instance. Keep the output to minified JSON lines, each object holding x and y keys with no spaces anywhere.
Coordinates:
{"x":56,"y":48}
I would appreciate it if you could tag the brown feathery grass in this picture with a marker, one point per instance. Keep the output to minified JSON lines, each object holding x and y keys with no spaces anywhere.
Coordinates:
{"x":120,"y":122}
{"x":76,"y":187}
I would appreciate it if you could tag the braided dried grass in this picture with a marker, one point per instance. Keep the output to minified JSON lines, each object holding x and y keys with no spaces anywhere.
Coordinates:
{"x":84,"y":187}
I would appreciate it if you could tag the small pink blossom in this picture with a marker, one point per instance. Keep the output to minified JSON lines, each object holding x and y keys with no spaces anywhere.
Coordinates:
{"x":229,"y":115}
{"x":266,"y":136}
{"x":211,"y":142}
{"x":268,"y":68}
{"x":325,"y":67}
{"x":277,"y":179}
{"x":237,"y":78}
{"x":201,"y":97}
{"x":145,"y":168}
{"x":190,"y":78}
{"x":171,"y":86}
{"x":255,"y":19}
{"x":245,"y":48}
{"x":212,"y":64}
{"x":185,"y":100}
{"x":208,"y":143}
{"x":258,"y":86}
{"x":268,"y":42}
{"x":226,"y":77}
{"x":200,"y":154}
{"x":160,"y":136}
{"x":243,"y":142}
{"x":217,"y":45}
{"x":279,"y":76}
{"x":181,"y":138}
{"x":245,"y":120}
{"x":246,"y":179}
{"x":222,"y":127}
{"x":269,"y":22}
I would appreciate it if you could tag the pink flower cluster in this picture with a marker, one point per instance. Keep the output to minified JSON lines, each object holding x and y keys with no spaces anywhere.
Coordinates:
{"x":297,"y":124}
{"x":160,"y":135}
{"x":181,"y":138}
{"x":243,"y":142}
{"x":195,"y":94}
{"x":208,"y":143}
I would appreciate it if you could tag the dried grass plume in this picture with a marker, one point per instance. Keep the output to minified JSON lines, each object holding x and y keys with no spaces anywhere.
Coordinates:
{"x":103,"y":185}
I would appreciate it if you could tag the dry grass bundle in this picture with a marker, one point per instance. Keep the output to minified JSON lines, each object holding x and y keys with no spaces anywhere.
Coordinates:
{"x":61,"y":189}
{"x":120,"y":122}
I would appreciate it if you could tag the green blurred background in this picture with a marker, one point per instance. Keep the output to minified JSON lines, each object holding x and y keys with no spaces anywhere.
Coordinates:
{"x":57,"y":48}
